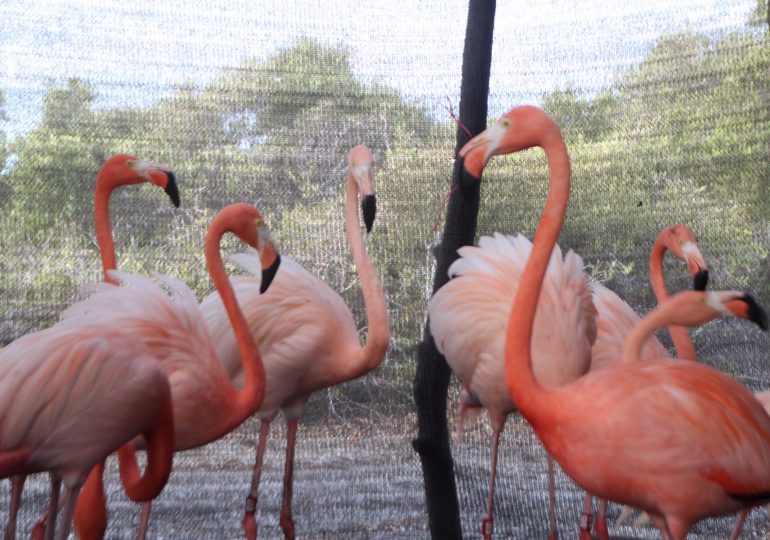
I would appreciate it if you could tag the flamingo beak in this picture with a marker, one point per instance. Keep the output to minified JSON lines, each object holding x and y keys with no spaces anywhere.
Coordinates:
{"x":269,"y":273}
{"x":747,"y":307}
{"x":369,"y":209}
{"x":700,"y":280}
{"x":171,"y":188}
{"x":757,"y":314}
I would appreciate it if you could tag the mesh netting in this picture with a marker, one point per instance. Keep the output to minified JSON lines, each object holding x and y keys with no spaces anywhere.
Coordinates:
{"x":665,"y":110}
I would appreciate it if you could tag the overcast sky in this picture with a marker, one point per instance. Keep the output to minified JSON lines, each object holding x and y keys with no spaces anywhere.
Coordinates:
{"x":135,"y":52}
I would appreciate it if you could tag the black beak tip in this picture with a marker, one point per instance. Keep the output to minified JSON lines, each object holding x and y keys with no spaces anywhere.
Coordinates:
{"x":171,"y":189}
{"x":700,"y":280}
{"x":369,"y":209}
{"x":757,"y":313}
{"x":268,"y":274}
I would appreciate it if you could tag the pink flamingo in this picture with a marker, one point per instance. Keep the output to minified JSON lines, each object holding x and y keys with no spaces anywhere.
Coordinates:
{"x":121,"y":169}
{"x":484,"y":284}
{"x":616,"y":319}
{"x":206,"y":404}
{"x":72,"y":394}
{"x":680,"y":440}
{"x":306,"y":333}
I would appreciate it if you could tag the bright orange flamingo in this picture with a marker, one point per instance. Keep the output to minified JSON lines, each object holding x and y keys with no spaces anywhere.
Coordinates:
{"x":616,"y":319}
{"x":680,"y":440}
{"x":206,"y":404}
{"x":72,"y":394}
{"x":483,"y":286}
{"x":306,"y":332}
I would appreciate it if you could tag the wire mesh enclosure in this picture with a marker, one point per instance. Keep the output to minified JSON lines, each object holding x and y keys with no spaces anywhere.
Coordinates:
{"x":665,"y":110}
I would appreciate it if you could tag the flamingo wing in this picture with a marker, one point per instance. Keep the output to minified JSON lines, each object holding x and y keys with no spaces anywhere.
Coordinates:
{"x":615,"y":320}
{"x":294,"y":321}
{"x":71,"y":395}
{"x":468,"y":315}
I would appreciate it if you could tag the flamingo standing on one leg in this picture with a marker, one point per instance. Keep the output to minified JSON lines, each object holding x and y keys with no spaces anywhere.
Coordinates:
{"x":483,"y":286}
{"x":206,"y":404}
{"x":680,"y":440}
{"x":72,"y":394}
{"x":306,"y":333}
{"x":616,"y":319}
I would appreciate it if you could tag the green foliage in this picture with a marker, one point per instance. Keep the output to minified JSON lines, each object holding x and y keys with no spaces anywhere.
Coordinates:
{"x":581,"y":117}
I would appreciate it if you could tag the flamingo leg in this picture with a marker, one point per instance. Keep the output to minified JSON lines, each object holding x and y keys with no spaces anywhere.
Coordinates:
{"x":71,"y":498}
{"x":487,"y":524}
{"x":249,"y":520}
{"x":144,"y":520}
{"x":600,"y":525}
{"x":586,"y":516}
{"x":53,"y":507}
{"x":553,"y":533}
{"x":287,"y":524}
{"x":17,"y":486}
{"x":91,"y":506}
{"x":739,"y":524}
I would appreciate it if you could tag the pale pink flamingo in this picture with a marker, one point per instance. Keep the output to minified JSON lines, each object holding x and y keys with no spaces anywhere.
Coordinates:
{"x":206,"y":404}
{"x":72,"y":394}
{"x":483,"y":286}
{"x":306,"y":333}
{"x":680,"y":440}
{"x":118,"y":170}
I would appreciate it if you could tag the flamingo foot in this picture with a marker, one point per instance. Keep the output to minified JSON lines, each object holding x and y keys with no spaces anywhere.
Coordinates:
{"x":600,"y":528}
{"x":585,"y":526}
{"x":249,"y":521}
{"x":249,"y":526}
{"x":287,"y":525}
{"x":487,"y":528}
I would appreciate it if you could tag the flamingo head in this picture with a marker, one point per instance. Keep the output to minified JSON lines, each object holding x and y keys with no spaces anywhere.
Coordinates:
{"x":681,"y":241}
{"x":124,"y":169}
{"x":360,"y":162}
{"x":246,"y":222}
{"x":518,"y":129}
{"x":744,"y":305}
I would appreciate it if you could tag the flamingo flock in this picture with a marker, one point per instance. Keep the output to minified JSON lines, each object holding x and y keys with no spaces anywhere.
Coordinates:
{"x":141,"y":365}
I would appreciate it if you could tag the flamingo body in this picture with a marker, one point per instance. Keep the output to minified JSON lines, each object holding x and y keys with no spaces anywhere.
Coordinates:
{"x":682,"y":464}
{"x":71,"y":395}
{"x":305,"y":332}
{"x":468,"y":318}
{"x":299,"y":318}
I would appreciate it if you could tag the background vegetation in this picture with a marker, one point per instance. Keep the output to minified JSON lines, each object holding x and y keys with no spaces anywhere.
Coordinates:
{"x":684,"y":136}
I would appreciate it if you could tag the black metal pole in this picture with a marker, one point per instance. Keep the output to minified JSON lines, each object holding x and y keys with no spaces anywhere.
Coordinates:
{"x":431,"y":382}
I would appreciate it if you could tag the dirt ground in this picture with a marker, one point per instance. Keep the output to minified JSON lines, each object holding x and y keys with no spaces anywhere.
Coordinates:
{"x":356,"y":481}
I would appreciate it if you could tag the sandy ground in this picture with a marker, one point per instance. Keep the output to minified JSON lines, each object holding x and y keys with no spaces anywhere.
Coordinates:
{"x":356,"y":483}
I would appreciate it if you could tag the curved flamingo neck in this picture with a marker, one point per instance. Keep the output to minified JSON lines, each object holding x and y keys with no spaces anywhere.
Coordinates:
{"x":378,"y":328}
{"x":679,"y":335}
{"x":160,"y":454}
{"x":103,"y":227}
{"x":524,"y":387}
{"x":248,"y":399}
